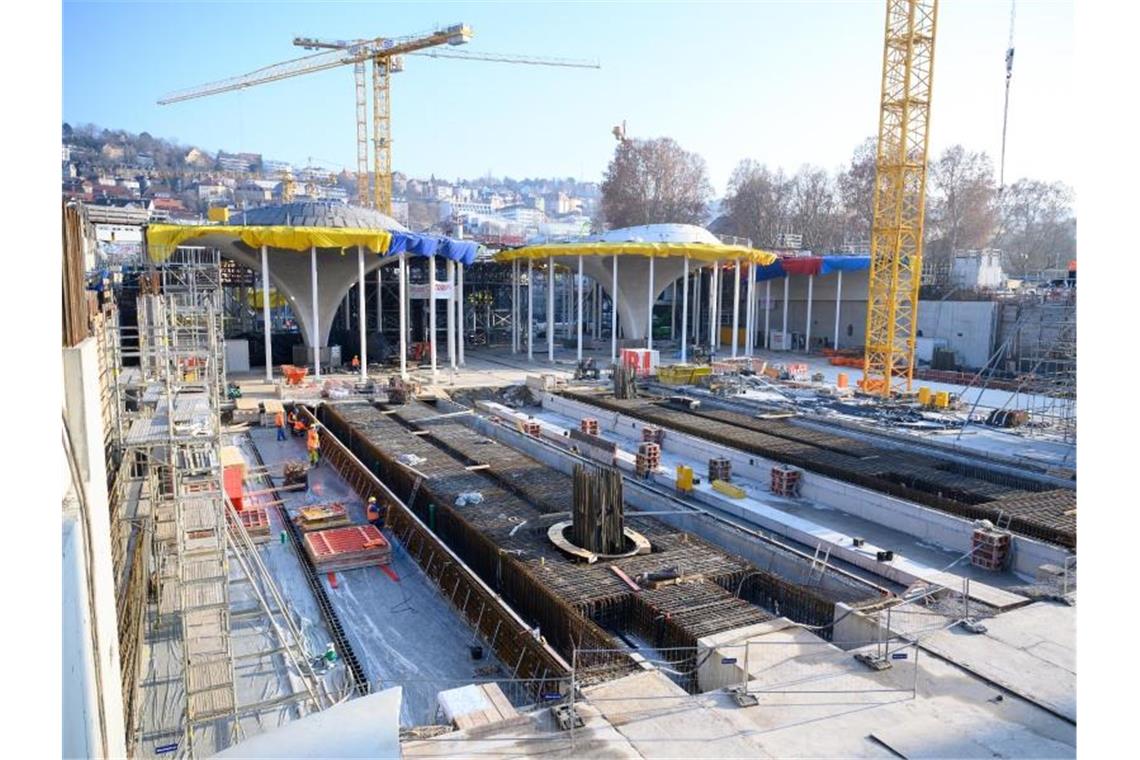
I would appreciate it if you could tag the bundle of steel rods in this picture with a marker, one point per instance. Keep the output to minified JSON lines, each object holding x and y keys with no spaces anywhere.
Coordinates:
{"x":625,"y":381}
{"x":598,"y":514}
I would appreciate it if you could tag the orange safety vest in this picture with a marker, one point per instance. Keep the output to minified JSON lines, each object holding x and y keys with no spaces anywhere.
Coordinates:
{"x":298,"y":424}
{"x":356,"y":362}
{"x":314,"y":441}
{"x":279,"y":419}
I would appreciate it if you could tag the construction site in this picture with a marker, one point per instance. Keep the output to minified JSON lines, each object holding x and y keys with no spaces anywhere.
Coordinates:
{"x":640,"y":520}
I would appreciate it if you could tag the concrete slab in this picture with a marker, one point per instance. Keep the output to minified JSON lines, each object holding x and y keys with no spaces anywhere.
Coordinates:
{"x":1030,"y":651}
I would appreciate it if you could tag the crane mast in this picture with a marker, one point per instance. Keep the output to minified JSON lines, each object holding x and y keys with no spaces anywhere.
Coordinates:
{"x":900,"y":196}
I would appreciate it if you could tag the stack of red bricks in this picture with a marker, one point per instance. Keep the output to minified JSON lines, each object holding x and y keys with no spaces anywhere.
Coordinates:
{"x":652,"y":434}
{"x":990,"y":549}
{"x":785,"y":481}
{"x":648,"y":458}
{"x":532,"y":427}
{"x":589,"y":426}
{"x":720,"y":468}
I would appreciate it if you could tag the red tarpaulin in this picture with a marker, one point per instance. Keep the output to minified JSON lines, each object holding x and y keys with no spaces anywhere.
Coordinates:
{"x":802,"y":265}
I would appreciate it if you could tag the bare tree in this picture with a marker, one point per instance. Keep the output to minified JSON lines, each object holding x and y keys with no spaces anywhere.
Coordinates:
{"x":857,"y":192}
{"x":815,"y":211}
{"x":654,"y":181}
{"x":759,"y":202}
{"x":962,"y":212}
{"x":1038,"y":229}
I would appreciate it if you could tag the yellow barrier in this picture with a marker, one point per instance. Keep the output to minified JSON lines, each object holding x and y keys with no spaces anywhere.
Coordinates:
{"x":684,"y":478}
{"x":681,"y":374}
{"x":728,"y":489}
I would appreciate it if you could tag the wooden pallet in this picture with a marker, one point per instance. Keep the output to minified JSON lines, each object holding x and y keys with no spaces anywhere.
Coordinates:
{"x":322,"y":517}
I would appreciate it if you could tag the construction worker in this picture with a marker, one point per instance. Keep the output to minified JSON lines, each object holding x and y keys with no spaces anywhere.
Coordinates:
{"x":313,"y":444}
{"x":279,"y":421}
{"x":298,"y":425}
{"x":373,"y":513}
{"x":355,"y":363}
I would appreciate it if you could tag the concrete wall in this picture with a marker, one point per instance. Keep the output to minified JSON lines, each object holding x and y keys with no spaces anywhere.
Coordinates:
{"x":92,"y":720}
{"x":968,"y":327}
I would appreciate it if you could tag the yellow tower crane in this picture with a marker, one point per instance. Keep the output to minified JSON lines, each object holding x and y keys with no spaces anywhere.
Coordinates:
{"x":900,"y":196}
{"x":385,"y":54}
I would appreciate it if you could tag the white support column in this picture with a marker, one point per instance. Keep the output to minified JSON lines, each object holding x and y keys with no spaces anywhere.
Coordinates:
{"x":838,"y":300}
{"x":267,"y":328}
{"x":380,"y":299}
{"x":767,"y":313}
{"x":451,"y":358}
{"x":530,"y":309}
{"x":460,"y":302}
{"x":685,"y":313}
{"x":514,"y":306}
{"x":749,"y":312}
{"x":784,"y":329}
{"x":807,"y":330}
{"x":550,"y":309}
{"x":673,"y":312}
{"x":712,"y":307}
{"x":649,"y":316}
{"x":697,"y":279}
{"x":581,"y":316}
{"x":316,"y":331}
{"x":362,"y":320}
{"x":431,"y":317}
{"x":403,"y":273}
{"x":598,"y":311}
{"x":613,"y":314}
{"x":735,"y":307}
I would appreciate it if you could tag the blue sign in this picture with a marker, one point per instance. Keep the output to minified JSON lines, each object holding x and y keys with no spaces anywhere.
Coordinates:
{"x":551,"y":696}
{"x":898,"y":655}
{"x":166,"y":748}
{"x":727,"y":660}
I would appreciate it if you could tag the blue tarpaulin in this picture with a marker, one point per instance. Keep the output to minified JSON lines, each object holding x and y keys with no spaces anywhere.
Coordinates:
{"x":845,"y":264}
{"x":462,"y":251}
{"x":829,"y":264}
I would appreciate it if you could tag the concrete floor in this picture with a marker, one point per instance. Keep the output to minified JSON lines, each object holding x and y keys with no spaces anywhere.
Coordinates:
{"x":404,"y":633}
{"x":952,"y":713}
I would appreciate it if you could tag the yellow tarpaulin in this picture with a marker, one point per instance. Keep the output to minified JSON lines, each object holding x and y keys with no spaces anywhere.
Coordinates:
{"x":699,"y":251}
{"x":163,"y":239}
{"x":276,"y":299}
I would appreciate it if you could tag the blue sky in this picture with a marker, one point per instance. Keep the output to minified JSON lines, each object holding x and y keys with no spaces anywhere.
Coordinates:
{"x":781,"y":82}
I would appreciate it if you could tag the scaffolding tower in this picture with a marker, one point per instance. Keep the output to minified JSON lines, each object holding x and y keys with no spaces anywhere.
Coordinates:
{"x":169,"y":437}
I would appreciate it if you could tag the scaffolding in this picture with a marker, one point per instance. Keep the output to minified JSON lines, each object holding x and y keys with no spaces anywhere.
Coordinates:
{"x":168,"y":435}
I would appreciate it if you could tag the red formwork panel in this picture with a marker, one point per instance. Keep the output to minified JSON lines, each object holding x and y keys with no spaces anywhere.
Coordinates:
{"x":232,"y":478}
{"x":347,"y":548}
{"x":256,"y":522}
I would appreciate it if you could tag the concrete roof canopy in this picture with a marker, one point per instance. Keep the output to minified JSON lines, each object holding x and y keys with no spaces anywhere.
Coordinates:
{"x":318,"y":214}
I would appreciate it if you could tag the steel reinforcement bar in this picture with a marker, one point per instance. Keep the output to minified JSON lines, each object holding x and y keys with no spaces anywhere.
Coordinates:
{"x":1042,"y":515}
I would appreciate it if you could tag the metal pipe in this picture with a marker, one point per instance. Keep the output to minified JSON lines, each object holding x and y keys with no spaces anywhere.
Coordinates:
{"x":265,"y":315}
